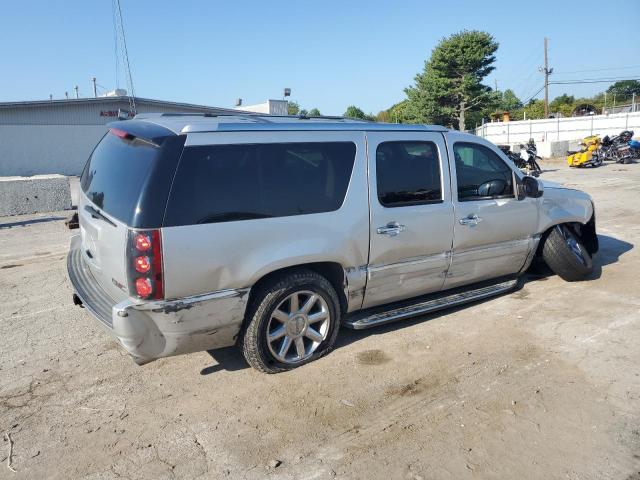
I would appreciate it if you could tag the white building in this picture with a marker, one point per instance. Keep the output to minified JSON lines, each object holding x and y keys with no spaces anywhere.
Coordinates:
{"x":57,"y":136}
{"x":270,"y":107}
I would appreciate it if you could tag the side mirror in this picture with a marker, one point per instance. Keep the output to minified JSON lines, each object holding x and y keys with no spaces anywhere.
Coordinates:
{"x":532,"y":188}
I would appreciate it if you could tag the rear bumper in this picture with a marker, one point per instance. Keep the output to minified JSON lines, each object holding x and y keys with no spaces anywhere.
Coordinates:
{"x":151,"y":330}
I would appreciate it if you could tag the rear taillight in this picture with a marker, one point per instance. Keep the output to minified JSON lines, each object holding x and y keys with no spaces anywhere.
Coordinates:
{"x":142,"y":242}
{"x":144,"y":264}
{"x":143,"y":287}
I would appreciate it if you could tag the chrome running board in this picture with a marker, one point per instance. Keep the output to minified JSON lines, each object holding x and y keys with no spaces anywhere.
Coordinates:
{"x":375,"y":317}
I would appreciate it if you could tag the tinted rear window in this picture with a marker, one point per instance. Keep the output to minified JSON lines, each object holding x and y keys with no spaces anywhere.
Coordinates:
{"x":116,"y":173}
{"x":225,"y":183}
{"x":408,"y":173}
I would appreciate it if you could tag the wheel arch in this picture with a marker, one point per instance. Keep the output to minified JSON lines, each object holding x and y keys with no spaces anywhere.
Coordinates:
{"x":586,"y":232}
{"x":334,"y":272}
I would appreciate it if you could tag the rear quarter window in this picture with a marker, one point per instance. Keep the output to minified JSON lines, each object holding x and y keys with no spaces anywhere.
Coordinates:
{"x":225,"y":183}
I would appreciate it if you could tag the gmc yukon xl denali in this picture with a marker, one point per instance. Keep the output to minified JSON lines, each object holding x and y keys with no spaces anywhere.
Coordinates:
{"x":199,"y":232}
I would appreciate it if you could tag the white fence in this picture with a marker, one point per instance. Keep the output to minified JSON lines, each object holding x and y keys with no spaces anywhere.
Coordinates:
{"x":555,"y":129}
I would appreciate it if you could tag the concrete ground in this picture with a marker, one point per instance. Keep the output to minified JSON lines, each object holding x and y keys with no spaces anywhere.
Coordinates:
{"x":542,"y":383}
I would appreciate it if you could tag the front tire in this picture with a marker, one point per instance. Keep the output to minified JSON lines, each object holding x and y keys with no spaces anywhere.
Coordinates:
{"x":566,"y":255}
{"x":291,"y":320}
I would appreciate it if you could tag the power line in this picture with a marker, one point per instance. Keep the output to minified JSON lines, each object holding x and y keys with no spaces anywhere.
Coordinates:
{"x":132,"y":93}
{"x":524,"y":84}
{"x":115,"y":43}
{"x":532,"y":96}
{"x":627,"y":67}
{"x":603,"y":80}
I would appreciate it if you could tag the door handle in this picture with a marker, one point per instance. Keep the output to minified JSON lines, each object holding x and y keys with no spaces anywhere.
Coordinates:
{"x":471,"y":220}
{"x":392,"y":229}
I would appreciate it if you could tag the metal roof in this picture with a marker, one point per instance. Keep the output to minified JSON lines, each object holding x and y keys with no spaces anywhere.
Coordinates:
{"x":98,"y":100}
{"x":181,"y":124}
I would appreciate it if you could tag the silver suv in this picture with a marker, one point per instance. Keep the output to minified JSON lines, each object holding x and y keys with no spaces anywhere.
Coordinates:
{"x":269,"y":233}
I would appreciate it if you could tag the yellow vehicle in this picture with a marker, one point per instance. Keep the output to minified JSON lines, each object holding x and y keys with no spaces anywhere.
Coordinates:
{"x":589,"y":154}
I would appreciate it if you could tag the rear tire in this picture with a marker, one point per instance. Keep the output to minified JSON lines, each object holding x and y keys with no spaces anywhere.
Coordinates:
{"x":566,"y":255}
{"x":279,"y":334}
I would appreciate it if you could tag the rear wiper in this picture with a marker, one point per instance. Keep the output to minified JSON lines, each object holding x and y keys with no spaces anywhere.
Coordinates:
{"x":97,"y":214}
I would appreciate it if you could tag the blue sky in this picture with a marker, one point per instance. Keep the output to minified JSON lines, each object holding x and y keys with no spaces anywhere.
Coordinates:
{"x":330,"y":53}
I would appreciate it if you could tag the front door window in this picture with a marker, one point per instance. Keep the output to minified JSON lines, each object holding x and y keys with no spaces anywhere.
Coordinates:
{"x":481,"y":174}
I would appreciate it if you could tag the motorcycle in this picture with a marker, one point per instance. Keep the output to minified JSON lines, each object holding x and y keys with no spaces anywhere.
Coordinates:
{"x":514,"y":157}
{"x":618,"y":148}
{"x":589,"y":155}
{"x":529,"y":155}
{"x":635,"y":148}
{"x":528,"y":164}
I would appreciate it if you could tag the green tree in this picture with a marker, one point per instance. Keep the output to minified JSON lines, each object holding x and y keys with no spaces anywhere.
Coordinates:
{"x":534,"y":109}
{"x":383,"y":116}
{"x":563,"y":104}
{"x":354,"y":112}
{"x":450,"y":85}
{"x":509,"y":101}
{"x":293,"y":108}
{"x":624,"y":89}
{"x":314,"y":112}
{"x":395,"y":114}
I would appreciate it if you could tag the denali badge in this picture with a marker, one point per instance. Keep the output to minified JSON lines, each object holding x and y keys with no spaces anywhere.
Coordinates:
{"x":118,"y":284}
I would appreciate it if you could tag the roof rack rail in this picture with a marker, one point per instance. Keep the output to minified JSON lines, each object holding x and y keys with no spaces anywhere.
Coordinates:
{"x":256,"y":115}
{"x":195,"y":114}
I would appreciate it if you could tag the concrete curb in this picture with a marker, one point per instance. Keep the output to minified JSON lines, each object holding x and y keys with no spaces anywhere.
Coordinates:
{"x":40,"y":193}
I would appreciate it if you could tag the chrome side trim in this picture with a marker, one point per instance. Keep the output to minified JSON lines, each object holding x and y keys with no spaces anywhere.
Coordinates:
{"x":406,"y":263}
{"x":492,"y":247}
{"x":429,"y":306}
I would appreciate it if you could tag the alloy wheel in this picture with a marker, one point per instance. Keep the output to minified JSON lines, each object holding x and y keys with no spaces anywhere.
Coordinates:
{"x":297,"y":326}
{"x":572,"y":242}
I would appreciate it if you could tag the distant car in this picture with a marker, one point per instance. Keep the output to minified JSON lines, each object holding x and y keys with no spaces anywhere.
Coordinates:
{"x":200,"y":232}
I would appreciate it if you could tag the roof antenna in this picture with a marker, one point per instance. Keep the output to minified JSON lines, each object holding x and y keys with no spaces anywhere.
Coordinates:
{"x":119,"y":27}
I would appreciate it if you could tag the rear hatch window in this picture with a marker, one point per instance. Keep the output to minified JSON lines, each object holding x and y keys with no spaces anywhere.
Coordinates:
{"x":116,"y":173}
{"x":129,"y":178}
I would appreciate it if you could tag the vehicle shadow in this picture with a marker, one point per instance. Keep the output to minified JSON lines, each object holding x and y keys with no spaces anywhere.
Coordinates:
{"x":229,"y":359}
{"x":25,"y":223}
{"x":611,"y":249}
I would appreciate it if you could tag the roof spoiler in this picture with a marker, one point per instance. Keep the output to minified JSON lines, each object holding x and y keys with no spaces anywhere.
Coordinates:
{"x":139,"y":129}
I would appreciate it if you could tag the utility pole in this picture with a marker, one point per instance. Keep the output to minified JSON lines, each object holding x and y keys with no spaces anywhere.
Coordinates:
{"x":547,"y":71}
{"x":95,"y":88}
{"x":77,"y":94}
{"x":496,"y":80}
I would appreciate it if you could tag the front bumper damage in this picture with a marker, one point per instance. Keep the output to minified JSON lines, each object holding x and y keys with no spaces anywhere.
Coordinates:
{"x":155,"y":329}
